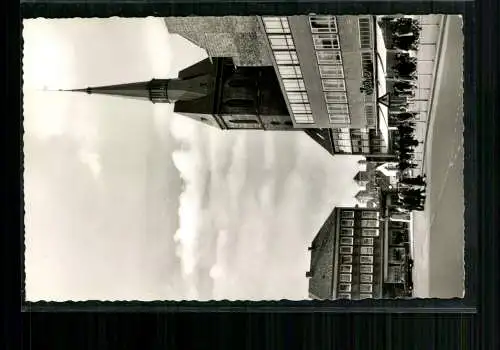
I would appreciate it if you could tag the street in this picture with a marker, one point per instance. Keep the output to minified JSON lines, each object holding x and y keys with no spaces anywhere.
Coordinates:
{"x":440,"y":228}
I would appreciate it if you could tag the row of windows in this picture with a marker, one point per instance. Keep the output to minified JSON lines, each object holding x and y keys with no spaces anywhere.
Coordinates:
{"x":363,"y":287}
{"x":365,"y":232}
{"x":348,"y":296}
{"x":323,"y":24}
{"x":363,"y":278}
{"x":286,"y":57}
{"x":365,"y":214}
{"x":350,"y":241}
{"x":364,"y":223}
{"x":276,"y":24}
{"x":303,"y":118}
{"x":370,"y":115}
{"x":332,"y":71}
{"x":333,"y":57}
{"x":294,"y":85}
{"x":363,"y":259}
{"x":348,"y":249}
{"x":365,"y":37}
{"x":334,"y":85}
{"x":347,"y":268}
{"x":338,"y":118}
{"x":290,"y":72}
{"x":288,"y":68}
{"x":318,"y":24}
{"x":281,"y":42}
{"x":329,"y":59}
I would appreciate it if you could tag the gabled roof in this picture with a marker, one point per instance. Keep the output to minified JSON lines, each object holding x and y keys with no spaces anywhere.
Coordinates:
{"x":323,"y":137}
{"x":322,"y":260}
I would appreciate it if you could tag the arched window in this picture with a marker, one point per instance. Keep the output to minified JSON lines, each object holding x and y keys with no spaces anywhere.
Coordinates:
{"x":239,"y":102}
{"x":240,"y":82}
{"x":244,"y":121}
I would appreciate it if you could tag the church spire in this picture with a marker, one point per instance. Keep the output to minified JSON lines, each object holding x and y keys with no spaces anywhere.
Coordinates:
{"x":158,"y":90}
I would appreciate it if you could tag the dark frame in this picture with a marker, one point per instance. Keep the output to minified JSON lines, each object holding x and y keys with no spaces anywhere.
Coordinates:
{"x":59,"y":9}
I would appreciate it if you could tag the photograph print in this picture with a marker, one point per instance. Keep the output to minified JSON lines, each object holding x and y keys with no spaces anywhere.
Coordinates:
{"x":243,"y":158}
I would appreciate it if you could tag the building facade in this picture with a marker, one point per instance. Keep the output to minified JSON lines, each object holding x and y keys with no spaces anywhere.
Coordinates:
{"x":327,"y":69}
{"x":398,"y":261}
{"x":320,"y":74}
{"x":361,"y":253}
{"x":347,"y":256}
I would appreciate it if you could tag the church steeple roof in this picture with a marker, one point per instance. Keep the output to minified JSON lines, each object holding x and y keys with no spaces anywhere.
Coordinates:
{"x":159,"y":90}
{"x":139,"y":90}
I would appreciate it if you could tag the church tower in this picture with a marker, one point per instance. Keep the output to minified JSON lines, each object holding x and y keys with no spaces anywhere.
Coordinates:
{"x":216,"y":92}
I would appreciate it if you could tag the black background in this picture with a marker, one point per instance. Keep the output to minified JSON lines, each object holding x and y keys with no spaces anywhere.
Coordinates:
{"x":254,"y":326}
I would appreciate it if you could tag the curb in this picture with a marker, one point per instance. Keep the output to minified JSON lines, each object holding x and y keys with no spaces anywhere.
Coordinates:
{"x":439,"y":45}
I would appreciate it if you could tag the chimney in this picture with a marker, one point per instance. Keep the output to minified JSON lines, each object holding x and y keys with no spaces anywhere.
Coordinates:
{"x":309,"y":274}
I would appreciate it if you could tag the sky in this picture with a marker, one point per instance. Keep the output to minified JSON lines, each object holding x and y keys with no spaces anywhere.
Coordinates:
{"x":125,"y":200}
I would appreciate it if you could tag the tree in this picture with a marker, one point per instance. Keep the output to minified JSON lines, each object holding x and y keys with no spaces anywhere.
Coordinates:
{"x":402,"y":26}
{"x":406,"y":43}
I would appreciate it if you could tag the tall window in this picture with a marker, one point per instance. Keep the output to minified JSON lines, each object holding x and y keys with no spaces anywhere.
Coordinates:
{"x":335,"y":97}
{"x":329,"y":57}
{"x":303,"y":118}
{"x":333,"y":71}
{"x":300,"y":108}
{"x":369,"y":232}
{"x":290,"y":71}
{"x":345,"y":249}
{"x":347,"y":214}
{"x":367,"y":241}
{"x":366,"y":268}
{"x":365,"y":288}
{"x":326,"y":41}
{"x":367,"y":250}
{"x":281,"y":42}
{"x":346,"y":259}
{"x":346,"y":268}
{"x":345,"y":277}
{"x":370,"y":115}
{"x":346,"y":240}
{"x":338,"y":118}
{"x":276,"y":24}
{"x":369,"y":223}
{"x":369,"y":215}
{"x":366,"y":259}
{"x":345,"y":287}
{"x":343,"y":296}
{"x":365,"y":33}
{"x":365,"y":278}
{"x":323,"y":24}
{"x":333,"y":84}
{"x":286,"y":57}
{"x":297,"y":97}
{"x":336,"y":108}
{"x":347,"y":231}
{"x":294,"y":84}
{"x":347,"y":223}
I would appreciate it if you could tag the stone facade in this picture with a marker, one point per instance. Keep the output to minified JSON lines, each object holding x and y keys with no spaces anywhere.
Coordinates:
{"x":238,"y":37}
